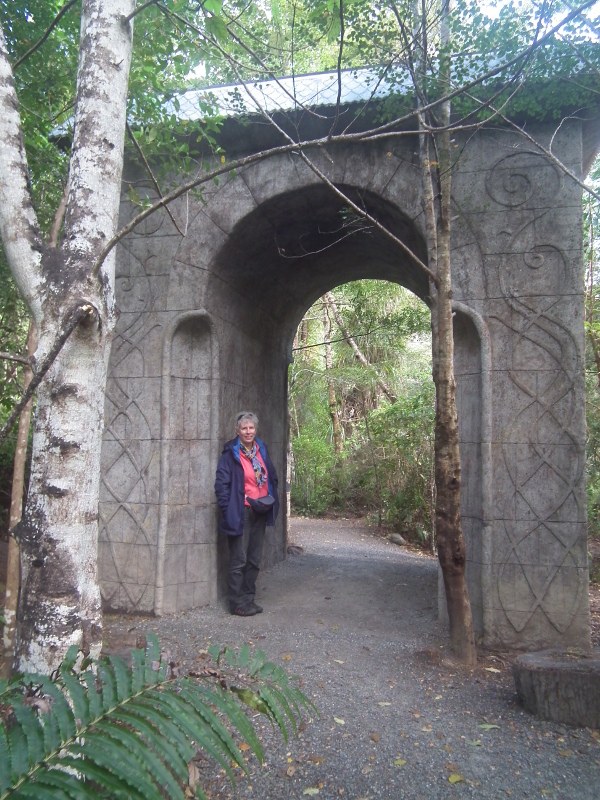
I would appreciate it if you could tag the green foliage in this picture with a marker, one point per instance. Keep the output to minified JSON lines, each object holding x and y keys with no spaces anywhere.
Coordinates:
{"x":113,"y":730}
{"x":385,"y":464}
{"x":401,"y":438}
{"x":315,"y":489}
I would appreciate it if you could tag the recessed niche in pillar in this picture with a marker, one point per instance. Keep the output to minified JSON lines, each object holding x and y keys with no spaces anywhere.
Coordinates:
{"x":467,"y":371}
{"x":190,"y":414}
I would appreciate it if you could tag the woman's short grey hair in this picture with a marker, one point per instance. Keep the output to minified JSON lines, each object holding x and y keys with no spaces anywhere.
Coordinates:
{"x":246,"y":416}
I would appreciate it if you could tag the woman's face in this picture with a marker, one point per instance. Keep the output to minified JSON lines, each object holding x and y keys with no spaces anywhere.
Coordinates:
{"x":246,"y":431}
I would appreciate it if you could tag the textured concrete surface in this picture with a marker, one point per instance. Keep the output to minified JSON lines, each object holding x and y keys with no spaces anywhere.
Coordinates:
{"x":206,"y":327}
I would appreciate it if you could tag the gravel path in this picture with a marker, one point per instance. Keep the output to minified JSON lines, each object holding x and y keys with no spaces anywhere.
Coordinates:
{"x":356,"y":618}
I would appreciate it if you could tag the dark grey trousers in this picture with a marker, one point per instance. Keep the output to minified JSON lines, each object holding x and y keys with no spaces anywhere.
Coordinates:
{"x":245,"y":552}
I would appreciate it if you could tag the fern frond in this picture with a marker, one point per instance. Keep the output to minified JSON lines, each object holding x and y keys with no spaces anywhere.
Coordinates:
{"x":33,"y":732}
{"x":132,"y":732}
{"x":268,"y":696}
{"x":232,"y":711}
{"x":198,"y":731}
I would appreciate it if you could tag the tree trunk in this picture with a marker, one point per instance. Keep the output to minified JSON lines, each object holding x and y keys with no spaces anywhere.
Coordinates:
{"x":333,"y":409}
{"x":449,"y":535}
{"x":562,"y":686}
{"x":330,"y":300}
{"x":13,"y":568}
{"x":60,"y":597}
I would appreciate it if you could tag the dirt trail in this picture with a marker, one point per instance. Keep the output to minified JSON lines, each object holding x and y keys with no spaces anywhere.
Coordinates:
{"x":357,"y":619}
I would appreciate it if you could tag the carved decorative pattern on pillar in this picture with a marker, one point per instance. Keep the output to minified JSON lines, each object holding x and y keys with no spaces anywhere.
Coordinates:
{"x":128,"y":517}
{"x":542,"y":568}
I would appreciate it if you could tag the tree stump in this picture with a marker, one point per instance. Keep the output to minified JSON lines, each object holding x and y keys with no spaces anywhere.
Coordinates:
{"x":560,"y":685}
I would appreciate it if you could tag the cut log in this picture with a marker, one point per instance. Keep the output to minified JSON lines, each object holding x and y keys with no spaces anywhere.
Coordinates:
{"x":560,"y":685}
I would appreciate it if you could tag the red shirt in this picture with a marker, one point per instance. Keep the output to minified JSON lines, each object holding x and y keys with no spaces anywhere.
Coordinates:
{"x":250,"y":487}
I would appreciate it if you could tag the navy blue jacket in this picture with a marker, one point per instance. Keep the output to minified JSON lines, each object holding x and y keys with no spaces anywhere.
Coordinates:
{"x":229,"y":487}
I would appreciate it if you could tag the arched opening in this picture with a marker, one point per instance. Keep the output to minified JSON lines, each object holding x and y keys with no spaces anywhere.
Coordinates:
{"x":362,"y":405}
{"x":274,"y":263}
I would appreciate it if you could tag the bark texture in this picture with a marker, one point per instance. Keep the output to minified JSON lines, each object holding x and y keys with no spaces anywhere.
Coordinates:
{"x":448,"y":526}
{"x":560,"y":686}
{"x":13,"y":567}
{"x":60,"y":598}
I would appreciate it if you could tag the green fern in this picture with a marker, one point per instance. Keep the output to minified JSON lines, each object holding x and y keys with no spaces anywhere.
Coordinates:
{"x":132,"y":732}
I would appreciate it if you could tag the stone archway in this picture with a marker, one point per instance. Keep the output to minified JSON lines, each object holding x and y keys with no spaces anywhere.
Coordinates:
{"x":259,"y":249}
{"x":277,"y":260}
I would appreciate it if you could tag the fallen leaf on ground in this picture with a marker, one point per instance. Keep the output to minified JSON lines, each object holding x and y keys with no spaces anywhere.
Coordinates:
{"x":244,"y":746}
{"x":399,"y":762}
{"x":193,"y":777}
{"x":384,"y":704}
{"x":487,"y":727}
{"x":492,"y":669}
{"x":455,"y":778}
{"x":426,"y":728}
{"x":290,"y":771}
{"x":339,"y":721}
{"x":438,"y":697}
{"x":286,"y":657}
{"x":565,"y":753}
{"x":337,"y":661}
{"x":366,"y":770}
{"x":374,"y":737}
{"x":311,"y":791}
{"x":335,"y":628}
{"x":474,"y":742}
{"x":316,"y":759}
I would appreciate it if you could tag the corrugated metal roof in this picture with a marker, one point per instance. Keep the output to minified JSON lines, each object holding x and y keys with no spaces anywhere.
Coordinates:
{"x":284,"y":94}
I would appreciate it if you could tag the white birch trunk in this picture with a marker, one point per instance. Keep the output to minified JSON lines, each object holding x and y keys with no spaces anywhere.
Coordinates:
{"x":60,"y":598}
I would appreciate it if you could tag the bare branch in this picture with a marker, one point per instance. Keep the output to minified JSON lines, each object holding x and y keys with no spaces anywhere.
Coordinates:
{"x":330,"y":302}
{"x":547,"y":152}
{"x":143,"y":7}
{"x":380,"y":132}
{"x":365,"y":215}
{"x":13,"y":357}
{"x":148,"y":168}
{"x":183,"y":189}
{"x":46,"y":34}
{"x":341,"y":339}
{"x":234,"y":63}
{"x":58,"y":218}
{"x":339,"y":70}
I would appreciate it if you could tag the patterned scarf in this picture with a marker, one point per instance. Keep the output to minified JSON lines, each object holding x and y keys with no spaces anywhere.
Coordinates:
{"x":251,"y":455}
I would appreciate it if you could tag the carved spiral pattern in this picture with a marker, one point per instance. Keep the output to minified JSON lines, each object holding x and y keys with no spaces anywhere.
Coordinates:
{"x":517,"y":177}
{"x":542,"y":568}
